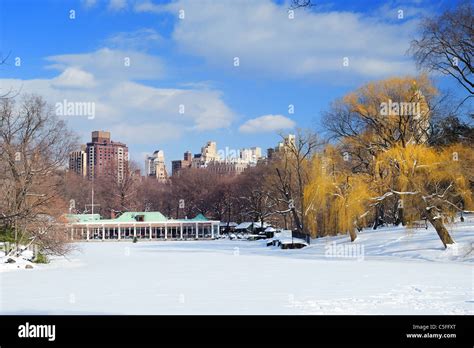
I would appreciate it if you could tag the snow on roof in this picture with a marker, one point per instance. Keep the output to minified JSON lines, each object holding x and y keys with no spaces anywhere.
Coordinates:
{"x":231,"y":224}
{"x":282,"y":234}
{"x":246,"y":225}
{"x":82,"y":217}
{"x":287,"y":240}
{"x":243,"y":225}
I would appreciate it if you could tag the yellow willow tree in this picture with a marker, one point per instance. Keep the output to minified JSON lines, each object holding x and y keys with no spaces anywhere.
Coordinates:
{"x":380,"y":115}
{"x":337,"y":200}
{"x":384,"y":113}
{"x":426,"y":181}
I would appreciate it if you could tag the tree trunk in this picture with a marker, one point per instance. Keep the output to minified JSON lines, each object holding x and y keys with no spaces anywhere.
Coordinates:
{"x":437,"y":223}
{"x":296,"y":219}
{"x":352,"y":234}
{"x":379,"y":216}
{"x":376,"y":220}
{"x":401,"y":216}
{"x":289,"y":198}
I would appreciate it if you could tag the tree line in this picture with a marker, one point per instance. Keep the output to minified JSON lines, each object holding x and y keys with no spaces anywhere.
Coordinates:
{"x":394,"y":151}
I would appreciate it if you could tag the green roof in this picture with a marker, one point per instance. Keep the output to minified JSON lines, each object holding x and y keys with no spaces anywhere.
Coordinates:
{"x":148,"y":216}
{"x":152,"y":216}
{"x":199,"y":217}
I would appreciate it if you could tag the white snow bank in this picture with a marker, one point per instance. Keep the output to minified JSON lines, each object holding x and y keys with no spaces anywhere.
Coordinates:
{"x":234,"y":277}
{"x":400,"y":242}
{"x":387,"y":271}
{"x":16,"y":262}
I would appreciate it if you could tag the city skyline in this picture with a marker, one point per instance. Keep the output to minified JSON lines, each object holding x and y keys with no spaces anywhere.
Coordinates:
{"x":249,"y":155}
{"x":138,"y":75}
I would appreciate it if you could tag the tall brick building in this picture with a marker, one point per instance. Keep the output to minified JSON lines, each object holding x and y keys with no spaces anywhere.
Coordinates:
{"x":177,"y":165}
{"x":103,"y":156}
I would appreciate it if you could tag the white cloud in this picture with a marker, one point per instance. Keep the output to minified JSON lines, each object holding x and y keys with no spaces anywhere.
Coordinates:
{"x":267,"y":123}
{"x":146,"y":133}
{"x":114,"y":64}
{"x":121,"y":100}
{"x":148,"y":6}
{"x":75,"y":78}
{"x":268,"y":42}
{"x":117,"y":5}
{"x":200,"y":109}
{"x":89,"y":3}
{"x":394,"y":9}
{"x":141,"y":39}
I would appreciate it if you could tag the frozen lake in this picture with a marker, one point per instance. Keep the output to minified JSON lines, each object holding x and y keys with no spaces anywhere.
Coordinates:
{"x":241,"y":277}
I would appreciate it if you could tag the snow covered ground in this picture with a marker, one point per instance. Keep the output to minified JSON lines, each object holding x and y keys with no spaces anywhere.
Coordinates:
{"x":388,"y":271}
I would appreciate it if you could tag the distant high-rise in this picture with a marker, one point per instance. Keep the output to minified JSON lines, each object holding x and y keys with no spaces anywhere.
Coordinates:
{"x":251,"y":155}
{"x":177,"y":165}
{"x":106,"y":157}
{"x":209,"y":152}
{"x":188,"y":156}
{"x":155,"y":166}
{"x":219,"y":162}
{"x":78,"y":161}
{"x":283,"y":146}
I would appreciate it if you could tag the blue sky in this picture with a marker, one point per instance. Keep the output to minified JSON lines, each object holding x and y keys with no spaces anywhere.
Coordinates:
{"x":190,"y":62}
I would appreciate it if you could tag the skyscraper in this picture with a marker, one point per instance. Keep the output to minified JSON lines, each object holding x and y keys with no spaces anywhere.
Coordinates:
{"x":78,"y":161}
{"x":155,"y":166}
{"x":282,"y":147}
{"x":209,"y":152}
{"x":106,"y":157}
{"x":177,"y":165}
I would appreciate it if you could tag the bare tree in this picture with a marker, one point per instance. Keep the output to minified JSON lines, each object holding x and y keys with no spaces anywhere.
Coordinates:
{"x":256,"y":194}
{"x":34,"y":147}
{"x":292,"y":173}
{"x":11,"y":93}
{"x":224,"y":198}
{"x":446,"y":45}
{"x":196,"y":187}
{"x":76,"y":190}
{"x":152,"y":194}
{"x":117,"y":194}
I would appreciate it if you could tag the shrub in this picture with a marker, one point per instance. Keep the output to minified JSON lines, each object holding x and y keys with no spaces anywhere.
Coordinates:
{"x":41,"y":258}
{"x":7,"y":235}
